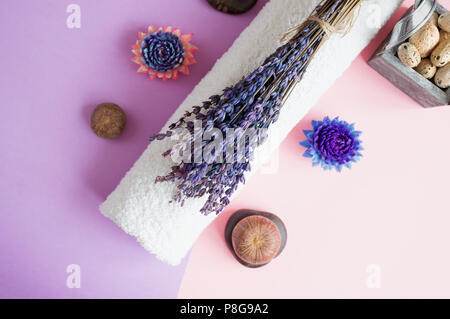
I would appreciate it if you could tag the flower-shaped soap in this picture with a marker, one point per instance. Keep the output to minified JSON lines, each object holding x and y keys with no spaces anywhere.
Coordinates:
{"x":163,"y":53}
{"x":332,"y":144}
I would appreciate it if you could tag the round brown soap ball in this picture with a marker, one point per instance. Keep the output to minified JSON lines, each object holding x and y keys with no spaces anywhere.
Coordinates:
{"x":232,"y":6}
{"x":108,"y":120}
{"x":256,"y":240}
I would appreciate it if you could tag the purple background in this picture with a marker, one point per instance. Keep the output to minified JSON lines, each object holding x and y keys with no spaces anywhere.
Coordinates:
{"x":54,"y":171}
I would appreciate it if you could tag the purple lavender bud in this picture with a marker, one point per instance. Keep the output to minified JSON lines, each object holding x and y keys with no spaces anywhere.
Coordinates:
{"x":253,"y":102}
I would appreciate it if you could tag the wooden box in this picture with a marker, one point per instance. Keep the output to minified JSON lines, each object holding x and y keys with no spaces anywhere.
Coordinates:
{"x":423,"y":91}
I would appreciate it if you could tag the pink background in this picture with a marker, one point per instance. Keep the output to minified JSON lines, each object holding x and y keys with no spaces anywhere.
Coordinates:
{"x":390,"y":210}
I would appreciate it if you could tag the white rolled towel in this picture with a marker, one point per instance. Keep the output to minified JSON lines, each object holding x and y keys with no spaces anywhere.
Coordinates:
{"x":141,"y":207}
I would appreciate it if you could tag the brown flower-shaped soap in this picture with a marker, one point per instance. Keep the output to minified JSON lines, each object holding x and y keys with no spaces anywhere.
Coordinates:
{"x":108,"y":120}
{"x":232,"y":6}
{"x":255,"y":238}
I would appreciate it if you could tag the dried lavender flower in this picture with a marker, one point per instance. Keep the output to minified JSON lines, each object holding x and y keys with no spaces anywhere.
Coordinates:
{"x":251,"y":105}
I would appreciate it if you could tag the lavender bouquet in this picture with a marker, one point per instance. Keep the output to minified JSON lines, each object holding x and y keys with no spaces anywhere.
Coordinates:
{"x":215,"y":166}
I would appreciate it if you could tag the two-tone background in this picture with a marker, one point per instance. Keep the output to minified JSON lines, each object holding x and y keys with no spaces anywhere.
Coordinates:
{"x":379,"y":230}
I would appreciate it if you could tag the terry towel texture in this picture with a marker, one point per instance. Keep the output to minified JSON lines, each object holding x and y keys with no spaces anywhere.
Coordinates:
{"x":141,"y":207}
